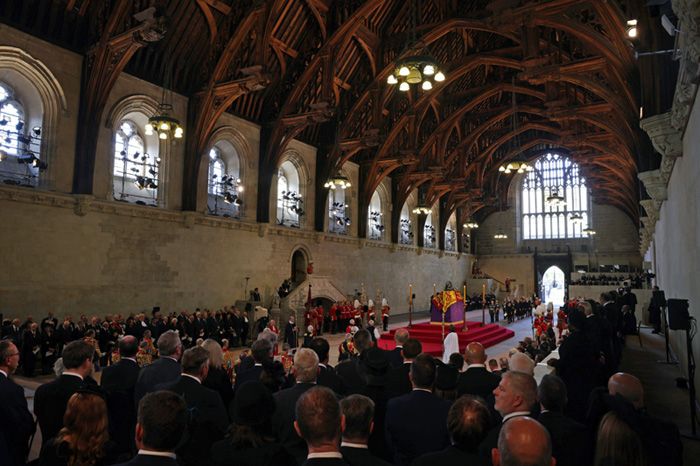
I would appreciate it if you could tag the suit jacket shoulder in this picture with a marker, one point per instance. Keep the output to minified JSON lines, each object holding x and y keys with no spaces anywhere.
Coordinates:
{"x":361,"y":457}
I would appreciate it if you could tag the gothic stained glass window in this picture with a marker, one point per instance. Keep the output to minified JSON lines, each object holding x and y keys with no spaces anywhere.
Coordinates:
{"x":554,"y":173}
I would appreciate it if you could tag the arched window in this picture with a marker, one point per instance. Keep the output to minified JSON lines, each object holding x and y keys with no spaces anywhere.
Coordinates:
{"x":405,"y":226}
{"x":18,"y":143}
{"x":289,"y":198}
{"x":451,"y":234}
{"x":135,"y":170}
{"x":224,"y":186}
{"x":375,"y":218}
{"x":554,"y":200}
{"x":429,"y":236}
{"x":338,"y":211}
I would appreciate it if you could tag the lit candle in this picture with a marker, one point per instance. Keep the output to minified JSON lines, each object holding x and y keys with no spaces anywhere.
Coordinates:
{"x":464,"y":294}
{"x":434,"y":289}
{"x":483,"y":292}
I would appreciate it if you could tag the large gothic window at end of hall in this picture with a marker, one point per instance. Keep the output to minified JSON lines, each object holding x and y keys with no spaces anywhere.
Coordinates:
{"x":135,"y":173}
{"x":554,"y":175}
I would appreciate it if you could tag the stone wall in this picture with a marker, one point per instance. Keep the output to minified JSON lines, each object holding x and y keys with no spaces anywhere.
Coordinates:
{"x":81,"y":255}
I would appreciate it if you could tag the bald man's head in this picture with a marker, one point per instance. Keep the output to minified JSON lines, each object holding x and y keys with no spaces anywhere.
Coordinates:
{"x":523,"y":442}
{"x":475,"y":353}
{"x":128,"y":346}
{"x":628,"y":387}
{"x":401,"y":336}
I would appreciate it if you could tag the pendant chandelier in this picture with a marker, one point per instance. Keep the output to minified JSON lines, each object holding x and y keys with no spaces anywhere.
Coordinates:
{"x":500,"y":235}
{"x":576,"y":218}
{"x":589,"y":231}
{"x":555,"y":199}
{"x":421,"y":70}
{"x":163,"y":123}
{"x":338,"y":182}
{"x":519,"y":166}
{"x":471,"y":225}
{"x":422,"y":210}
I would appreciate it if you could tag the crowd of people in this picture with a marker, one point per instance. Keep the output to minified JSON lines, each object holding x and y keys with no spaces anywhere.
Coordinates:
{"x":375,"y":407}
{"x":635,"y":280}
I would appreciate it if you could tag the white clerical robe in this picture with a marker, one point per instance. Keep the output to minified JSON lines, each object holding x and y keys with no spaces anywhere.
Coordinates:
{"x":451,"y":345}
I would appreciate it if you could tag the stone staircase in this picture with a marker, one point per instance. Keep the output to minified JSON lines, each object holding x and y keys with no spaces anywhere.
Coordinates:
{"x":295,"y":302}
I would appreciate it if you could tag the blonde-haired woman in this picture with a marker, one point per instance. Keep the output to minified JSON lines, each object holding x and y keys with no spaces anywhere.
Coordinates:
{"x":84,"y":439}
{"x":218,"y":378}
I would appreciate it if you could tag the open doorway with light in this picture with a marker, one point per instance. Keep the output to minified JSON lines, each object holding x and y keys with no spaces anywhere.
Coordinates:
{"x":553,"y":286}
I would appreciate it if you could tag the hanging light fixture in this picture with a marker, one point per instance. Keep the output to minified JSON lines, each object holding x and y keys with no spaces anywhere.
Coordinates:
{"x":576,"y":218}
{"x":163,"y":124}
{"x":589,"y":231}
{"x":500,"y":235}
{"x":519,"y":166}
{"x":422,"y":210}
{"x":421,"y":70}
{"x":471,"y":225}
{"x":338,"y":182}
{"x":555,"y":199}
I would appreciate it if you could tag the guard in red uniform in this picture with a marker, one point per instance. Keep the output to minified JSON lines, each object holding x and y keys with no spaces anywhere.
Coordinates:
{"x":385,"y":315}
{"x":333,"y":318}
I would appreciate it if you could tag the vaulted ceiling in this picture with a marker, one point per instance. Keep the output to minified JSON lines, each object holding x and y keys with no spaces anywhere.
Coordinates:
{"x":316,"y":70}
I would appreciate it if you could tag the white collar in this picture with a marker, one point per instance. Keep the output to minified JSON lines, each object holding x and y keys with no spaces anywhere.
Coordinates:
{"x":130,"y":359}
{"x":165,"y":454}
{"x":4,"y":373}
{"x":73,"y":374}
{"x":170,"y":357}
{"x":470,"y":366}
{"x":320,"y":364}
{"x":192,"y":377}
{"x":421,"y":390}
{"x":515,"y":414}
{"x":325,"y":454}
{"x":257,"y":364}
{"x":354,"y":445}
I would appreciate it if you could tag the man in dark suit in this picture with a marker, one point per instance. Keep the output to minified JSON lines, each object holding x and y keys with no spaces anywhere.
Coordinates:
{"x":319,"y":422}
{"x":570,"y":439}
{"x":416,"y":423}
{"x":398,"y":381}
{"x":468,"y":422}
{"x":119,"y":381}
{"x":396,"y":359}
{"x":209,"y":420}
{"x":305,"y":370}
{"x":351,"y":371}
{"x":164,"y":369}
{"x":162,"y":419}
{"x":51,"y":399}
{"x":515,"y":396}
{"x":523,"y":441}
{"x":477,"y":380}
{"x":326,"y":374}
{"x":17,"y":424}
{"x":359,"y":413}
{"x":261,"y":353}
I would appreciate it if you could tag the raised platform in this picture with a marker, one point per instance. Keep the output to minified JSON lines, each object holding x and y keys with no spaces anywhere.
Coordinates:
{"x":430,"y":336}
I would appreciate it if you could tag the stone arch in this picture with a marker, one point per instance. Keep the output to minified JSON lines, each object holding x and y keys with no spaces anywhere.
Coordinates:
{"x":299,"y":259}
{"x":53,"y":99}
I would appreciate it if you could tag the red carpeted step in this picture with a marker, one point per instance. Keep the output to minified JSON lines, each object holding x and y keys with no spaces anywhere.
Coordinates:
{"x":431,"y":338}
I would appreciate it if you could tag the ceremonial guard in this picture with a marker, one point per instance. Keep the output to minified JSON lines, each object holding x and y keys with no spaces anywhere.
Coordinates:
{"x":333,"y":318}
{"x":290,"y":332}
{"x":385,"y":314}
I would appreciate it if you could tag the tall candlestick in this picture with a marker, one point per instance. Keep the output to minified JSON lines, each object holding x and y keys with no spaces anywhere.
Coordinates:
{"x":434,"y":289}
{"x":483,"y":304}
{"x":410,"y":294}
{"x":464,"y":308}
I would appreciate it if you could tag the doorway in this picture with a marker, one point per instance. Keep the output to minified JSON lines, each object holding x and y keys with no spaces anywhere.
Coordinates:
{"x":299,"y":265}
{"x":553,"y":286}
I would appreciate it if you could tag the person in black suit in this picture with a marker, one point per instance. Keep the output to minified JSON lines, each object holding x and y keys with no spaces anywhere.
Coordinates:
{"x":326,"y":374}
{"x":17,"y":424}
{"x":31,"y":346}
{"x":250,"y":441}
{"x":416,"y":423}
{"x":305,"y":370}
{"x":164,"y":369}
{"x":396,"y":359}
{"x":217,"y":377}
{"x":523,"y":441}
{"x":477,"y":380}
{"x":162,"y":420}
{"x":351,"y":371}
{"x":515,"y":396}
{"x":468,"y":422}
{"x":119,"y":381}
{"x":570,"y":445}
{"x":208,"y":420}
{"x":319,"y":422}
{"x":359,"y":414}
{"x":51,"y":399}
{"x":261,"y":356}
{"x":397,"y":380}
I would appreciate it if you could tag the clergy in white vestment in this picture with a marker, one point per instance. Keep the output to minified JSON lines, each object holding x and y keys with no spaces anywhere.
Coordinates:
{"x":451,"y":344}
